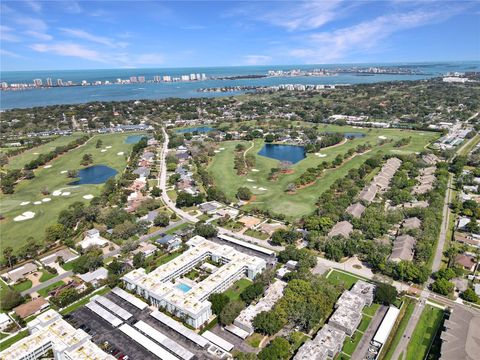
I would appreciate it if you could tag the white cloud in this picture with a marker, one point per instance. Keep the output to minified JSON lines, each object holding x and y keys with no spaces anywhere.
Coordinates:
{"x":72,"y":7}
{"x":39,"y":35}
{"x":4,"y":52}
{"x":34,"y":5}
{"x":365,"y":36}
{"x":70,"y":49}
{"x":6,"y":34}
{"x":81,"y":34}
{"x":257,"y":59}
{"x":193,"y":27}
{"x":31,"y":24}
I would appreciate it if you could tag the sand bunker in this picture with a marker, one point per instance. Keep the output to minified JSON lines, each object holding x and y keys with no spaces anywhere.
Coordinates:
{"x":37,"y":202}
{"x":216,"y":151}
{"x":35,"y":153}
{"x":120,"y":153}
{"x":47,"y":166}
{"x":57,"y":193}
{"x":46,"y":200}
{"x":88,"y":197}
{"x":262,"y":189}
{"x":66,"y":193}
{"x":321,"y":155}
{"x":103,"y":150}
{"x":250,"y":180}
{"x":23,"y":203}
{"x":254,"y":187}
{"x":255,"y":170}
{"x":63,"y":171}
{"x":382,"y":137}
{"x":25,"y":216}
{"x":221,"y":148}
{"x":108,"y":147}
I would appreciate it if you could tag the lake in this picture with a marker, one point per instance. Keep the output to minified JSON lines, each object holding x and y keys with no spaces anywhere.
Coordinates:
{"x":133,"y":139}
{"x":291,"y":153}
{"x":201,"y":129}
{"x":96,"y":174}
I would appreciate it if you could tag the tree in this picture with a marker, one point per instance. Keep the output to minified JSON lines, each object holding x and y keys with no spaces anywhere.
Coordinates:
{"x":72,"y":174}
{"x":99,"y":144}
{"x":219,"y":301}
{"x":385,"y":294}
{"x":229,"y":313}
{"x":161,"y":220}
{"x":214,"y":193}
{"x":156,"y":191}
{"x":252,"y":292}
{"x":278,"y":349}
{"x":282,"y":236}
{"x":205,"y":230}
{"x":470,"y":295}
{"x":8,"y":255}
{"x":87,"y":159}
{"x":55,"y":233}
{"x":244,"y":193}
{"x":269,"y":138}
{"x":442,"y":286}
{"x":10,"y":299}
{"x":138,"y":260}
{"x":268,"y":323}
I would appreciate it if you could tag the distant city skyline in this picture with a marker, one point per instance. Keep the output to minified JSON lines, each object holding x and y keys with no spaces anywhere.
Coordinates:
{"x":57,"y":35}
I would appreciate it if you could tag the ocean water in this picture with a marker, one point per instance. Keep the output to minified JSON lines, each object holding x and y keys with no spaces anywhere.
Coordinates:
{"x":114,"y":92}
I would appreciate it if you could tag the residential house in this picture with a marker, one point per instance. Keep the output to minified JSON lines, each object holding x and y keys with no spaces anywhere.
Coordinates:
{"x":343,"y":228}
{"x":403,"y":248}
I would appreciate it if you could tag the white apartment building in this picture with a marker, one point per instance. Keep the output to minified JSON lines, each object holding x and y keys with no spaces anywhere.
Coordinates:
{"x":187,"y":299}
{"x":48,"y":331}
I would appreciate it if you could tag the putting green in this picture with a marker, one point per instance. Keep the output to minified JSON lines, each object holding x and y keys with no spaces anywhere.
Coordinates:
{"x":301,"y":203}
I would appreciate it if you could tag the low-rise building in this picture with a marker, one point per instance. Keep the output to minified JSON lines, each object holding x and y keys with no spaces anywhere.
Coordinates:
{"x":403,"y":248}
{"x":49,"y":332}
{"x":20,"y":272}
{"x":412,"y":223}
{"x":467,"y":262}
{"x":356,"y":210}
{"x":32,"y":307}
{"x":145,"y":248}
{"x":66,"y":255}
{"x":346,"y":318}
{"x":327,"y":343}
{"x":343,"y":228}
{"x":93,"y":238}
{"x":365,"y":290}
{"x":95,"y":277}
{"x":164,"y":287}
{"x":170,"y":242}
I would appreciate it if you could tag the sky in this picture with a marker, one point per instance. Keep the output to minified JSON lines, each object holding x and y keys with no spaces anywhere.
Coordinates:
{"x":62,"y":35}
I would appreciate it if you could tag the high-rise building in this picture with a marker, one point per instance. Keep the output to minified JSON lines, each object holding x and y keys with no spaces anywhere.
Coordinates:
{"x":59,"y":82}
{"x":141,"y":79}
{"x":167,"y":78}
{"x":157,"y":78}
{"x":193,"y":77}
{"x":49,"y":81}
{"x":37,"y":82}
{"x":204,"y":77}
{"x":133,"y":79}
{"x":4,"y":85}
{"x":185,"y":78}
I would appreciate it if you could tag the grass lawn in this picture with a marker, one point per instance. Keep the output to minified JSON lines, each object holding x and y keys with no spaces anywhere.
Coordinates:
{"x":254,"y":340}
{"x":7,"y":343}
{"x":46,"y":276}
{"x":371,"y":310}
{"x":68,"y":266}
{"x":24,"y":285}
{"x":350,"y":344}
{"x":347,"y":280}
{"x":303,"y":201}
{"x":236,"y":289}
{"x":84,"y":300}
{"x":177,"y":228}
{"x":424,"y":333}
{"x":44,"y":292}
{"x":391,"y":346}
{"x":15,"y":233}
{"x":364,"y":323}
{"x":256,"y":234}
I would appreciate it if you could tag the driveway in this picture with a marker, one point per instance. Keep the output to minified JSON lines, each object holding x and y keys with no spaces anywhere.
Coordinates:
{"x":362,"y":347}
{"x":47,"y":283}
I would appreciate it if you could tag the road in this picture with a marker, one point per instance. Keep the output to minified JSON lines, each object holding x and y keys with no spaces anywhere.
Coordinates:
{"x":47,"y":283}
{"x":162,"y":182}
{"x":362,"y":348}
{"x":162,"y":230}
{"x":437,"y":260}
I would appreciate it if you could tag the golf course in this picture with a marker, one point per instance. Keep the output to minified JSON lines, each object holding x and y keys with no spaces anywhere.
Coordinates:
{"x":271,"y":195}
{"x":27,"y":212}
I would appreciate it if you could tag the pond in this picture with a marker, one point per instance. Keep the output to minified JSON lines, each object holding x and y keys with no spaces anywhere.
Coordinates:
{"x":96,"y":174}
{"x":133,"y":139}
{"x":291,"y":153}
{"x":200,"y":129}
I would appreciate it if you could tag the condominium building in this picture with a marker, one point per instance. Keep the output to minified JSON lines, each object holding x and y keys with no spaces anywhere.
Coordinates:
{"x":185,"y":298}
{"x":49,"y":331}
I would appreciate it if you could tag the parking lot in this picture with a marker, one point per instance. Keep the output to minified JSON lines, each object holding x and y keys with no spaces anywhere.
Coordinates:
{"x":120,"y":344}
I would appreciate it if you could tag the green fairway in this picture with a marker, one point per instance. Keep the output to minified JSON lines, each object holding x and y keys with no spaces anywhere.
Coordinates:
{"x":424,"y":333}
{"x":271,"y":195}
{"x":17,"y":162}
{"x":15,"y":233}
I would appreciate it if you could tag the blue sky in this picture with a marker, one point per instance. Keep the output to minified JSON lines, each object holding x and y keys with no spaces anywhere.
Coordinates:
{"x":44,"y":35}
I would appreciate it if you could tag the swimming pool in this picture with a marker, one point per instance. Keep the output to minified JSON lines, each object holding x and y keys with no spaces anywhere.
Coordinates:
{"x":183,"y":287}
